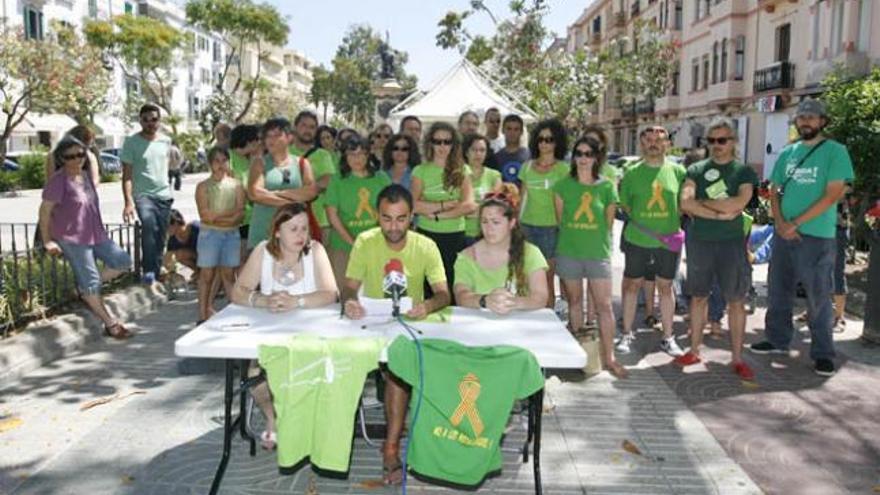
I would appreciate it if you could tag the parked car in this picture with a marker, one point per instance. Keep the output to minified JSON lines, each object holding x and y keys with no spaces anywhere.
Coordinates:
{"x":9,"y":165}
{"x":110,"y":164}
{"x":111,"y":151}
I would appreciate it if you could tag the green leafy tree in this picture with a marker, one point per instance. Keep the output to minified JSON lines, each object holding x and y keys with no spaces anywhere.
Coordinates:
{"x":242,"y":24}
{"x":321,"y":92}
{"x":56,"y":74}
{"x":146,"y":49}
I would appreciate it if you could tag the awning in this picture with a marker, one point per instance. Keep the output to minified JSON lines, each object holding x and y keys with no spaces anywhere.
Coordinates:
{"x":46,"y":122}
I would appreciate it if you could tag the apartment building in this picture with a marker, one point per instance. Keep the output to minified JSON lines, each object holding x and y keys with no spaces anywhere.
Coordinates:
{"x":288,"y":71}
{"x":751,"y":60}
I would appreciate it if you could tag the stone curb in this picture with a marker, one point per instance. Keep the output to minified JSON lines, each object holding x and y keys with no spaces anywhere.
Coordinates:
{"x":45,"y":341}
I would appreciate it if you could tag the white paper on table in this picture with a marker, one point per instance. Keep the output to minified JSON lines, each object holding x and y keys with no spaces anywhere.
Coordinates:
{"x":381,"y":308}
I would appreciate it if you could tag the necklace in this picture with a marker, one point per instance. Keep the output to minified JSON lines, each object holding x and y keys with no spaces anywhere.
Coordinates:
{"x":288,"y":273}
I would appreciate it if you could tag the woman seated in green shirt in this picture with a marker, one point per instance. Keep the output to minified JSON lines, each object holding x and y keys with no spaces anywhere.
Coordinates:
{"x":484,"y":179}
{"x":501,"y":271}
{"x":350,"y":201}
{"x":443,"y":194}
{"x":585,"y":206}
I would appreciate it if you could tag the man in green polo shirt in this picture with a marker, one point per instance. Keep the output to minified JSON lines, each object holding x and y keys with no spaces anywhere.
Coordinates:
{"x":304,"y":143}
{"x":421,"y":262}
{"x":809,"y":179}
{"x":649,"y":193}
{"x":714,"y":193}
{"x":244,"y":143}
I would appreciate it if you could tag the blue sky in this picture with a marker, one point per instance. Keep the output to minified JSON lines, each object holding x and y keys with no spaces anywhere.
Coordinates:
{"x":317,"y":26}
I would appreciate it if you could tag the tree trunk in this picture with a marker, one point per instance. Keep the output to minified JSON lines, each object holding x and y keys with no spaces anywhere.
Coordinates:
{"x":871,"y":332}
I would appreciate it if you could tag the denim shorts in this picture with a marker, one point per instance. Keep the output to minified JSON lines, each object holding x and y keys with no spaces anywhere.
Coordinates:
{"x":82,"y":259}
{"x":575,"y":269}
{"x":542,"y":237}
{"x":218,"y":248}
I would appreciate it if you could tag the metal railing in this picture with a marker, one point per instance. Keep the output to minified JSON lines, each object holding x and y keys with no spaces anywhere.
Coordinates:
{"x":777,"y":76}
{"x":34,"y":284}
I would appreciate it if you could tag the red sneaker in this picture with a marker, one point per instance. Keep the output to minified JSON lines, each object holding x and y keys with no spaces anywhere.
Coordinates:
{"x":687,"y":359}
{"x":743,"y":371}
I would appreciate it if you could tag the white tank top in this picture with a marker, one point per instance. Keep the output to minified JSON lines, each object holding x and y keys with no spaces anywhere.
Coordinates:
{"x":268,"y":283}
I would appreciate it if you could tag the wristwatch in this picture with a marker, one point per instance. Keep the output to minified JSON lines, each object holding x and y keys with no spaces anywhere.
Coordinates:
{"x":300,"y":302}
{"x":483,"y":301}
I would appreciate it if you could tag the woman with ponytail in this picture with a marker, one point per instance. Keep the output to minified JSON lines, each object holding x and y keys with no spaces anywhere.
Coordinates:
{"x":501,"y":272}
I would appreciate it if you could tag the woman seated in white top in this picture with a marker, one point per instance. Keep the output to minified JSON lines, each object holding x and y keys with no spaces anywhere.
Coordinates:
{"x":287,"y":272}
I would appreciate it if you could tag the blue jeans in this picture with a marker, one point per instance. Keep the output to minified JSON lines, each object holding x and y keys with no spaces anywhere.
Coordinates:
{"x":811,"y":262}
{"x":840,"y":261}
{"x":85,"y":270}
{"x":153,"y":213}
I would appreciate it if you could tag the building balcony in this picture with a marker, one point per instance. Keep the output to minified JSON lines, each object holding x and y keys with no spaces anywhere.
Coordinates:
{"x":854,"y":62}
{"x":780,"y":75}
{"x":596,"y":38}
{"x":769,"y":6}
{"x":628,"y":110}
{"x":619,"y":19}
{"x":644,"y":107}
{"x":666,"y":104}
{"x":727,"y":90}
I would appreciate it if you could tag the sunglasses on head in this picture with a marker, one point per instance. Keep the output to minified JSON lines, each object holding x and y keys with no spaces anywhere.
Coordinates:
{"x":546,"y":139}
{"x":285,"y":176}
{"x":441,"y":142}
{"x":720,"y":140}
{"x":74,"y":156}
{"x":584,"y":154}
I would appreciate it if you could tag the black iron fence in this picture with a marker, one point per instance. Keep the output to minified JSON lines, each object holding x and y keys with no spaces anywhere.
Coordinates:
{"x":34,"y":284}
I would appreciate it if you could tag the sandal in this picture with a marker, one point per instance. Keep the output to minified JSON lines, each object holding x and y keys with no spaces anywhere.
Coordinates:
{"x":268,"y":440}
{"x":392,"y":471}
{"x":117,"y":331}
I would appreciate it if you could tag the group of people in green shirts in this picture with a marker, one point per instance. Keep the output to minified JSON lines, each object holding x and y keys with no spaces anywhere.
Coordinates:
{"x":465,"y":236}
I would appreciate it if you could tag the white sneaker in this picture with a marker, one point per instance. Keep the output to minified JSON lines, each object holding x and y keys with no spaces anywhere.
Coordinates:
{"x":670,"y":346}
{"x":623,"y":343}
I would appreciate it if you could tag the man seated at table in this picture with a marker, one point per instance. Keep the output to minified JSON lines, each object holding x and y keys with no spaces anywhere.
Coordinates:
{"x":421,"y":261}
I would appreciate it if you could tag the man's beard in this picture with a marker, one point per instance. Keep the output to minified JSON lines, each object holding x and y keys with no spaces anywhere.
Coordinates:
{"x":808,"y":133}
{"x":394,"y":236}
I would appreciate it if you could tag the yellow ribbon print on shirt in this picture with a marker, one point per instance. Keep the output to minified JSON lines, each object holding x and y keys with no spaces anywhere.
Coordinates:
{"x":585,"y":208}
{"x":468,"y":390}
{"x":657,"y":197}
{"x":364,"y":204}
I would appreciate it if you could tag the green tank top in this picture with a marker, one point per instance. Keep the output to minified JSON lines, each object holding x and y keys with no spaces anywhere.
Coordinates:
{"x":274,"y":179}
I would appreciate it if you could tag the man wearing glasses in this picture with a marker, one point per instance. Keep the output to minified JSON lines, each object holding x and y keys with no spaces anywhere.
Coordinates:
{"x":145,"y":187}
{"x":493,"y":129}
{"x":714,"y":193}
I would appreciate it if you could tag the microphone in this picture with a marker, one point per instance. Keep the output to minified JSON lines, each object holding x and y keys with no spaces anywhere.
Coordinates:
{"x":394,"y":284}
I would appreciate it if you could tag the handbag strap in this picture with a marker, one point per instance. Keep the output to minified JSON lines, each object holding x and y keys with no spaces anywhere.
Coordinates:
{"x":796,"y":167}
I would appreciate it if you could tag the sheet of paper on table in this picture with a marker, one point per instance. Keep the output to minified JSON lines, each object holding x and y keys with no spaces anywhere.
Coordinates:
{"x":381,"y":308}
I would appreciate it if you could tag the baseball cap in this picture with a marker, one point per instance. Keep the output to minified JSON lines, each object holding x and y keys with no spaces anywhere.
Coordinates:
{"x":811,"y":107}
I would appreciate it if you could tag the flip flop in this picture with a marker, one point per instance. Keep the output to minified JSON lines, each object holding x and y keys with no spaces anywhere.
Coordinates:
{"x":392,"y":472}
{"x":117,"y":331}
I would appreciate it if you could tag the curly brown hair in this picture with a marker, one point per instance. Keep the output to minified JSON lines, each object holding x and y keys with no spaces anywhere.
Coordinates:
{"x":508,"y":200}
{"x":453,"y":172}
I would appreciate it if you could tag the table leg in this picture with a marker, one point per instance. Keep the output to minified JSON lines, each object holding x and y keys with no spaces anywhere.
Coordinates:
{"x":227,"y":428}
{"x":536,"y":403}
{"x":244,"y":387}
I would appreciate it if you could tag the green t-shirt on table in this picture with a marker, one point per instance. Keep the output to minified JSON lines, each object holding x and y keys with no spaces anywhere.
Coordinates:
{"x":651,"y":195}
{"x":241,"y":168}
{"x":829,"y":163}
{"x":538,"y":208}
{"x":420,"y":258}
{"x":482,"y":186}
{"x":355,"y":201}
{"x":715,"y":181}
{"x":316,"y":385}
{"x":433,"y":190}
{"x":482,"y":281}
{"x":468,"y":394}
{"x":322,"y":164}
{"x":584,"y":231}
{"x":149,"y":165}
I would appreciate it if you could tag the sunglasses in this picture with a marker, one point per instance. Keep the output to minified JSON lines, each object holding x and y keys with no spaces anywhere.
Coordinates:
{"x":441,"y":142}
{"x":400,"y":148}
{"x":75,"y":156}
{"x":546,"y":139}
{"x":150,"y":120}
{"x":285,"y":176}
{"x":383,"y":136}
{"x":721,"y":140}
{"x":584,"y":154}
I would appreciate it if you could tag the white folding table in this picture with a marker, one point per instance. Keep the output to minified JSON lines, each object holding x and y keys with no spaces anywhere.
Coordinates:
{"x":235,"y":333}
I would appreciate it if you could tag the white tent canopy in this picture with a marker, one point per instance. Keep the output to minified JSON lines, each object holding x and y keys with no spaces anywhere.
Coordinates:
{"x":463,"y":87}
